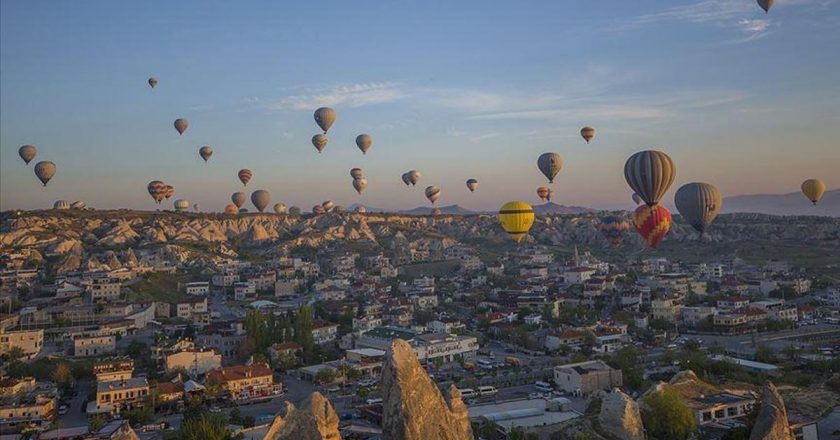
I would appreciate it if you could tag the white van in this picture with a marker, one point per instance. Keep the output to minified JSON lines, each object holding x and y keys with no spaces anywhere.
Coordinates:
{"x":487,"y":391}
{"x":467,"y":393}
{"x":544,"y":387}
{"x":373,"y":401}
{"x":485,"y":364}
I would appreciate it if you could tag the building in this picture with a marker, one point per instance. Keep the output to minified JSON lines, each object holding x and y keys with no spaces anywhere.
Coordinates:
{"x":20,"y":413}
{"x":714,"y":408}
{"x":667,"y":309}
{"x":225,"y":279}
{"x":245,"y":382}
{"x":192,"y":309}
{"x":94,"y":345}
{"x":586,"y":377}
{"x":120,"y":369}
{"x":197,"y":288}
{"x":692,"y":315}
{"x":324,"y":332}
{"x":243,"y":290}
{"x":103,"y":289}
{"x":195,"y":361}
{"x":29,"y":342}
{"x":447,"y":347}
{"x":120,"y":395}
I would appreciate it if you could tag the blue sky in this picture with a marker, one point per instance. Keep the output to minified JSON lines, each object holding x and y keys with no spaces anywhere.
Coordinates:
{"x":470,"y":89}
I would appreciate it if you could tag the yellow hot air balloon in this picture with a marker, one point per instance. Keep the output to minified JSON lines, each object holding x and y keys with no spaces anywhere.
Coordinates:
{"x":516,"y":219}
{"x":813,"y":190}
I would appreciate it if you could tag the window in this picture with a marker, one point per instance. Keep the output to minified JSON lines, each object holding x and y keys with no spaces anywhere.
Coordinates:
{"x":719,"y":414}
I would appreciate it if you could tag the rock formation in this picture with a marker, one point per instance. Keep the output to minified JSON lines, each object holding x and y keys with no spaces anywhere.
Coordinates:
{"x":314,"y":420}
{"x":772,"y":420}
{"x":619,"y":416}
{"x":413,"y":407}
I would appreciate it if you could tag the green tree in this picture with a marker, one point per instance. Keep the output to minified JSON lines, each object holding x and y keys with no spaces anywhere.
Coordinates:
{"x":325,"y":376}
{"x":627,"y":359}
{"x":303,"y":323}
{"x":63,"y":375}
{"x":205,"y":427}
{"x":235,"y":417}
{"x":666,"y":416}
{"x":14,"y":354}
{"x":97,"y":422}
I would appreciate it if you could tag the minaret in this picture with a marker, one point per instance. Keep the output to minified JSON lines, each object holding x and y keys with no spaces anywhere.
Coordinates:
{"x":577,"y":257}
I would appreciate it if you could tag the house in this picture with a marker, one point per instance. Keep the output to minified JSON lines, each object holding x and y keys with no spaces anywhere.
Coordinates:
{"x":96,"y":345}
{"x":225,"y":279}
{"x":263,"y":281}
{"x":120,"y":395}
{"x":732,"y":303}
{"x":245,"y":382}
{"x":243,"y":290}
{"x":586,"y":377}
{"x":577,"y":275}
{"x":29,"y":342}
{"x":665,"y":308}
{"x":196,"y":361}
{"x":118,"y":369}
{"x":718,"y":407}
{"x":103,"y":289}
{"x":324,"y":332}
{"x":192,"y":309}
{"x":692,"y":315}
{"x":169,"y":392}
{"x":197,"y":288}
{"x":277,"y":351}
{"x":26,"y":411}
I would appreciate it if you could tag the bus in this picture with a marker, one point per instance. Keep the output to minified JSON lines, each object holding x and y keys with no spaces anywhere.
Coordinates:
{"x":486,"y":390}
{"x":544,"y":387}
{"x":512,"y":361}
{"x":467,"y":393}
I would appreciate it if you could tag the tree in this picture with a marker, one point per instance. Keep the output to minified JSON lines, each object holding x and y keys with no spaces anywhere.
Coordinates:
{"x":14,"y":354}
{"x":325,"y":376}
{"x":63,"y":375}
{"x":666,"y":416}
{"x":97,"y":422}
{"x":205,"y":427}
{"x":627,"y":359}
{"x":235,"y":417}
{"x":303,"y":331}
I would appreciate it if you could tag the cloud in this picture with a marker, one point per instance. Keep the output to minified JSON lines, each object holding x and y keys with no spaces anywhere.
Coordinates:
{"x":353,"y":95}
{"x":753,"y":29}
{"x":485,"y":136}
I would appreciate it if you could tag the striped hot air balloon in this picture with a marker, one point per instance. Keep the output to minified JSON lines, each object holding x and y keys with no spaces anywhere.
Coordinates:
{"x":650,"y":173}
{"x":613,"y":229}
{"x":652,"y":223}
{"x":170,"y":191}
{"x":245,"y":176}
{"x":157,"y":190}
{"x":516,"y":219}
{"x":182,"y":205}
{"x":61,"y":204}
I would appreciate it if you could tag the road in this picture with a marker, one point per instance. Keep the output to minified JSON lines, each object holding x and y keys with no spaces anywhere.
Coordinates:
{"x":76,"y":415}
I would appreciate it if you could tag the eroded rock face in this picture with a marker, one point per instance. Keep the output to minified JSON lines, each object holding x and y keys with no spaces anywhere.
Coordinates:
{"x":413,"y":407}
{"x":772,"y":420}
{"x":619,"y":416}
{"x":314,"y":420}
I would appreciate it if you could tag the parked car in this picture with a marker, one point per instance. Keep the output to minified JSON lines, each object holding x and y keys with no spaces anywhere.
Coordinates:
{"x":62,"y":410}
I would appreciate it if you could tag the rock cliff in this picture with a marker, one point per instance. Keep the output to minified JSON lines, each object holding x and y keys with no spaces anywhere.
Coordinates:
{"x":772,"y":420}
{"x":413,"y":407}
{"x":314,"y":420}
{"x":619,"y":416}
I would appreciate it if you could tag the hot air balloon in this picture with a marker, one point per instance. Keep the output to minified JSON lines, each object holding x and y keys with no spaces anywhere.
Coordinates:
{"x":181,"y":125}
{"x":613,"y":229}
{"x":405,"y":179}
{"x":652,"y":222}
{"x":550,"y":164}
{"x":436,"y":212}
{"x":243,"y":210}
{"x":238,"y":199}
{"x":360,"y":184}
{"x":157,"y":190}
{"x":195,"y":207}
{"x":27,"y":153}
{"x":61,"y":204}
{"x":327,"y":205}
{"x":170,"y":191}
{"x":472,"y":184}
{"x":294,"y":210}
{"x":432,"y":193}
{"x":318,"y":210}
{"x":516,"y":219}
{"x":699,"y":204}
{"x":813,"y":189}
{"x":245,"y":176}
{"x":766,"y":5}
{"x":364,"y":141}
{"x":650,"y":173}
{"x":182,"y":205}
{"x":205,"y":152}
{"x":78,"y":204}
{"x":260,"y":199}
{"x":414,"y":177}
{"x":153,"y":82}
{"x":587,"y":133}
{"x":45,"y":170}
{"x":231,"y":209}
{"x":636,"y":198}
{"x":338,"y":209}
{"x":357,"y":173}
{"x":360,"y":209}
{"x":325,"y":117}
{"x":279,"y":208}
{"x":320,"y":142}
{"x":544,"y":193}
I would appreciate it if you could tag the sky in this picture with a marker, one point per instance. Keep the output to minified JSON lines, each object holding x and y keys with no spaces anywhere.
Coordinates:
{"x":744,"y":100}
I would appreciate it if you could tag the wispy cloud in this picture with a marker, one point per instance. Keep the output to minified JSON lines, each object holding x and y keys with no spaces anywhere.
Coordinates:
{"x":484,"y":137}
{"x":353,"y":95}
{"x":753,"y":29}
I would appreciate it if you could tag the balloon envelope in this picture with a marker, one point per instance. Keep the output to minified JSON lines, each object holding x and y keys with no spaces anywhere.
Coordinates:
{"x":699,"y":204}
{"x":357,"y":173}
{"x":432,"y":193}
{"x":516,"y":219}
{"x":279,"y":208}
{"x":182,"y":205}
{"x":550,"y":164}
{"x":45,"y":170}
{"x":325,"y":117}
{"x":364,"y":141}
{"x":238,"y":199}
{"x":613,"y":229}
{"x":181,"y":125}
{"x":244,"y":176}
{"x":260,"y":199}
{"x":472,"y":184}
{"x":157,"y":190}
{"x":231,"y":209}
{"x":153,"y":82}
{"x":320,"y":142}
{"x":327,"y":205}
{"x":205,"y":152}
{"x":294,"y":210}
{"x":650,"y":173}
{"x":360,"y":184}
{"x":414,"y":177}
{"x":587,"y":133}
{"x":27,"y":153}
{"x":78,"y":204}
{"x":61,"y":204}
{"x":636,"y":198}
{"x":544,"y":193}
{"x":766,"y":4}
{"x":169,"y":192}
{"x":813,"y":189}
{"x":652,"y":223}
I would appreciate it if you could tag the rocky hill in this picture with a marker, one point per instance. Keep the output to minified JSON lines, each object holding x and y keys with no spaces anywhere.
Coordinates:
{"x":784,"y":204}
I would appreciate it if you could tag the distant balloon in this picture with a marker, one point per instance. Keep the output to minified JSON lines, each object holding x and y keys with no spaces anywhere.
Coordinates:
{"x":405,"y":179}
{"x":650,"y":173}
{"x":318,"y":210}
{"x":45,"y":170}
{"x":544,"y":193}
{"x":699,"y":204}
{"x":245,"y":176}
{"x":61,"y":204}
{"x":516,"y":219}
{"x":182,"y":205}
{"x":357,"y":173}
{"x":414,"y":177}
{"x":472,"y":184}
{"x":652,"y":222}
{"x":153,"y":82}
{"x":238,"y":199}
{"x":294,"y":210}
{"x":587,"y":133}
{"x":327,"y":205}
{"x":766,"y":5}
{"x":550,"y":164}
{"x":359,"y":185}
{"x":78,"y":204}
{"x":279,"y":208}
{"x":205,"y":152}
{"x":432,"y":193}
{"x":260,"y":199}
{"x":325,"y":117}
{"x":364,"y":141}
{"x":181,"y":125}
{"x":613,"y":229}
{"x":157,"y":190}
{"x":360,"y":209}
{"x":813,"y":189}
{"x":231,"y":209}
{"x":243,"y":210}
{"x":338,"y":209}
{"x":27,"y":153}
{"x":320,"y":142}
{"x":436,"y":212}
{"x":170,"y":191}
{"x":195,"y":207}
{"x":636,"y":198}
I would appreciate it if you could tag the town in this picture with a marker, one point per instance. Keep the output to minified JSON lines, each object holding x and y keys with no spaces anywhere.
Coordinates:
{"x":100,"y":339}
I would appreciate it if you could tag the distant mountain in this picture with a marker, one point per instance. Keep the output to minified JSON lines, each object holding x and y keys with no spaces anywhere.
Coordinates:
{"x":784,"y":204}
{"x":370,"y":209}
{"x":553,"y":208}
{"x":447,"y":210}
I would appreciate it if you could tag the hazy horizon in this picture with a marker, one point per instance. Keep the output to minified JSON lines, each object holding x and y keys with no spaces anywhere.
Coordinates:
{"x":456,"y":91}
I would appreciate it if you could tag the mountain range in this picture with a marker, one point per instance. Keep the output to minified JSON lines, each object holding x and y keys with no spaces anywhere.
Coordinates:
{"x":784,"y":204}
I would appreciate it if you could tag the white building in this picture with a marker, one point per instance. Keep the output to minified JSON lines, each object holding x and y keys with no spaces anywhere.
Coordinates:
{"x":243,"y":290}
{"x":197,"y":288}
